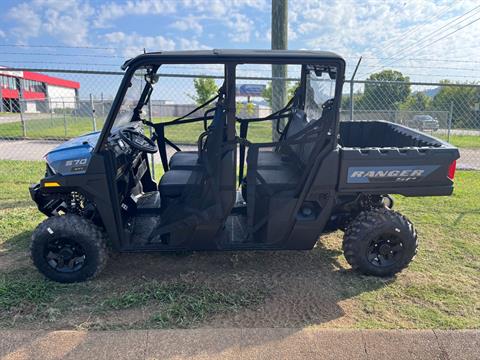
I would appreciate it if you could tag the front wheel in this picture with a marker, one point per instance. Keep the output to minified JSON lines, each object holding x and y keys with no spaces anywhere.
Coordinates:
{"x":68,"y":249}
{"x":380,"y":242}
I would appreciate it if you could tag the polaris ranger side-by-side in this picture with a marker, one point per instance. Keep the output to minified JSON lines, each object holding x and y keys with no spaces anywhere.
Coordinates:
{"x":231,"y":193}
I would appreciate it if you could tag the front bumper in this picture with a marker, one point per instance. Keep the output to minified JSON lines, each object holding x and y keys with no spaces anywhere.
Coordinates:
{"x":47,"y":203}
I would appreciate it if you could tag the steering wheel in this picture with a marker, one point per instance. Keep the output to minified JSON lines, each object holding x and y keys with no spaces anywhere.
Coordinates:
{"x":138,"y":141}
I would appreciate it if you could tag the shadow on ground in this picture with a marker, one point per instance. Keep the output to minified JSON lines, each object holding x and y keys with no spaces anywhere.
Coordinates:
{"x":302,"y":287}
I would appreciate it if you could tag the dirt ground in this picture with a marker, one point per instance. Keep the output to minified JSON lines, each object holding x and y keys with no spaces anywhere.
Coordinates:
{"x":300,"y":288}
{"x":301,"y":285}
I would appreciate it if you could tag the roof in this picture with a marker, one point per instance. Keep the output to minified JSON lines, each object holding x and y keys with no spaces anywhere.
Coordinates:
{"x":47,"y":79}
{"x":51,"y":80}
{"x":234,"y":56}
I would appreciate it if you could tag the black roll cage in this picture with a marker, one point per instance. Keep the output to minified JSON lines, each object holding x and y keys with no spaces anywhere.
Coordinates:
{"x":230,"y":60}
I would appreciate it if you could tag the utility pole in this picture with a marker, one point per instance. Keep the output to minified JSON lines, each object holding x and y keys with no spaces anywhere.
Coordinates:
{"x":279,"y":72}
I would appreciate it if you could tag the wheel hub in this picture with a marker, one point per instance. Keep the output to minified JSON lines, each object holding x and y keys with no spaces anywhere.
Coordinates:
{"x":385,"y":251}
{"x":65,"y":255}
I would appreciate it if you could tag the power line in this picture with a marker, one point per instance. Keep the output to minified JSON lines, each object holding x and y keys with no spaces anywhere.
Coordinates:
{"x":60,"y":47}
{"x":453,"y":32}
{"x":65,"y":55}
{"x":411,"y":31}
{"x":430,"y":67}
{"x":424,"y":59}
{"x":441,"y":29}
{"x":347,"y":57}
{"x":443,"y":76}
{"x":57,"y":63}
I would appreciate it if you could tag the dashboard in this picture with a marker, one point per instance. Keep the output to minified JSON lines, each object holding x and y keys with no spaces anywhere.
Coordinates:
{"x":131,"y":164}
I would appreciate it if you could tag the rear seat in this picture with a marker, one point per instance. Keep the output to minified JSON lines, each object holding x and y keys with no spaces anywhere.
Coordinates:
{"x":281,"y":169}
{"x":281,"y":156}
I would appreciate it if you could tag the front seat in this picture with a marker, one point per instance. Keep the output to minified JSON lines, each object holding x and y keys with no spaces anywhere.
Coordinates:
{"x":190,"y":181}
{"x":184,"y":160}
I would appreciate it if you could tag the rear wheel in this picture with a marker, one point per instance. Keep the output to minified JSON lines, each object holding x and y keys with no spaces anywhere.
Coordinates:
{"x":68,"y":249}
{"x":380,"y":242}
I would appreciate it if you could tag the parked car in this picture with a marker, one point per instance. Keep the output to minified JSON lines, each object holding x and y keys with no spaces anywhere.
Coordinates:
{"x":423,"y":122}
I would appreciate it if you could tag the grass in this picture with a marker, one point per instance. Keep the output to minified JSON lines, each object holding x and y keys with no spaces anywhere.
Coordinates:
{"x":27,"y":296}
{"x":57,"y":128}
{"x":182,"y":304}
{"x":50,"y":128}
{"x":439,"y":289}
{"x":463,"y":141}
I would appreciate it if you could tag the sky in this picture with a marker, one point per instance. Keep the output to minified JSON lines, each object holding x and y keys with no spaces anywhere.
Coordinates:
{"x":425,"y":39}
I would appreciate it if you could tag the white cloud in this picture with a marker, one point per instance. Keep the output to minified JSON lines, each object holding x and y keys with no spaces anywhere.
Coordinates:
{"x":131,"y":45}
{"x":380,"y":30}
{"x":2,"y":34}
{"x":241,"y":28}
{"x":67,"y":21}
{"x":214,"y":8}
{"x":71,"y":24}
{"x":188,"y":23}
{"x":114,"y":10}
{"x":191,"y":44}
{"x":28,"y":22}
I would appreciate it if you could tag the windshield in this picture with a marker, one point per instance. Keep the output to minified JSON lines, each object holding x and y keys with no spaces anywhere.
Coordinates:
{"x":319,"y":88}
{"x":131,"y":98}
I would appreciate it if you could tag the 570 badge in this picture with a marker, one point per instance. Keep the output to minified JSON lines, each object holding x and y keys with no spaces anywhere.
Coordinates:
{"x":77,"y":164}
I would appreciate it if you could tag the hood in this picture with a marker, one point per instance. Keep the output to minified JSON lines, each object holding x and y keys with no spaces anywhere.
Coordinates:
{"x":73,"y":156}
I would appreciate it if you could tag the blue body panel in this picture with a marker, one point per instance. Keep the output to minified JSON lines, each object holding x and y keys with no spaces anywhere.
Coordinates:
{"x":73,"y":156}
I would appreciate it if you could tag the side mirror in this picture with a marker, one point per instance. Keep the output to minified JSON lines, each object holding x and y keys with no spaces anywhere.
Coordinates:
{"x":332,"y":71}
{"x":152,"y":78}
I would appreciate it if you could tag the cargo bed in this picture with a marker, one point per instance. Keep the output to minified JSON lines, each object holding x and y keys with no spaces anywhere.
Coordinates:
{"x":379,"y":157}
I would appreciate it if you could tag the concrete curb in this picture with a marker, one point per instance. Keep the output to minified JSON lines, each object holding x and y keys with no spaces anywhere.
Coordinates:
{"x":268,"y":343}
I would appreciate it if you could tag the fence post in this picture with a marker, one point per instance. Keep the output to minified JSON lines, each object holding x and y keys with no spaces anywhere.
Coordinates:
{"x":64,"y":118}
{"x":103,"y":106}
{"x":94,"y":121}
{"x":150,"y":131}
{"x":50,"y":110}
{"x":450,"y":114}
{"x":75,"y":110}
{"x":22,"y":119}
{"x":351,"y":87}
{"x":351,"y":100}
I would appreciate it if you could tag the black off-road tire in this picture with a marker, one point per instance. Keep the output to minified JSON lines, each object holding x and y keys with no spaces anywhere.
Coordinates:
{"x":70,"y":229}
{"x":380,"y":242}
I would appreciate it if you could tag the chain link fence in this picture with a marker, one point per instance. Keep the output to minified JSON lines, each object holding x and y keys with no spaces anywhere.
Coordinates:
{"x":35,"y":119}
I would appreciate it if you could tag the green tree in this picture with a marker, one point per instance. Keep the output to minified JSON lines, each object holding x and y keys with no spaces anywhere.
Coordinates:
{"x":250,"y":109}
{"x":378,"y":96}
{"x":416,"y":102}
{"x":267,"y":92}
{"x":205,"y":89}
{"x":461,"y":100}
{"x":239,"y":108}
{"x":345,"y":105}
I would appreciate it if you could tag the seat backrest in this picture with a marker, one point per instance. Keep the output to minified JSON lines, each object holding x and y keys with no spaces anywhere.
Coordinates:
{"x":211,"y":151}
{"x":297,"y":122}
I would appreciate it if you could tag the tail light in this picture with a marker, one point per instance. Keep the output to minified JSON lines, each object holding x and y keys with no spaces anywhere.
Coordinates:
{"x":451,"y":170}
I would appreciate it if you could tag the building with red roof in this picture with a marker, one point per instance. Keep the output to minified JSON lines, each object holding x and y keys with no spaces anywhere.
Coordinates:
{"x":35,"y":92}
